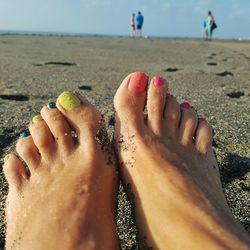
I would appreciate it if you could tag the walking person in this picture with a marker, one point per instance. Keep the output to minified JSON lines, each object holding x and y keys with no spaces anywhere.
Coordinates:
{"x":139,"y":23}
{"x":210,"y":26}
{"x":132,"y":24}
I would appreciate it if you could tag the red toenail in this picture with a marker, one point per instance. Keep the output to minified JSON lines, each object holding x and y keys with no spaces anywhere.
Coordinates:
{"x":158,"y":81}
{"x":186,"y":105}
{"x":138,"y":82}
{"x":168,"y":96}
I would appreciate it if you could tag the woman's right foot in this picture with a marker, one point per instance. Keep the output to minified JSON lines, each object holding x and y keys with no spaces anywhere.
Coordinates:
{"x":168,"y":164}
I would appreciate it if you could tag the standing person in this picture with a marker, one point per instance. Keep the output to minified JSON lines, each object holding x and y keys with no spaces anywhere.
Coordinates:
{"x":132,"y":24}
{"x":209,"y":26}
{"x":139,"y":23}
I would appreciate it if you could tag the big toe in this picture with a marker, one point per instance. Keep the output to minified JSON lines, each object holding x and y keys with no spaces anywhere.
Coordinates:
{"x":14,"y":172}
{"x":82,"y":116}
{"x":130,"y":100}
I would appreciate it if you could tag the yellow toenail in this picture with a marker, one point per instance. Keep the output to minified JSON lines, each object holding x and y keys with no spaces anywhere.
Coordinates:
{"x":68,"y":100}
{"x":6,"y":157}
{"x":37,"y":118}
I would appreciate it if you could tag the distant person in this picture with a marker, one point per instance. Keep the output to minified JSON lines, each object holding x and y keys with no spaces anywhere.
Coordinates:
{"x":210,"y":26}
{"x":139,"y":23}
{"x":132,"y":24}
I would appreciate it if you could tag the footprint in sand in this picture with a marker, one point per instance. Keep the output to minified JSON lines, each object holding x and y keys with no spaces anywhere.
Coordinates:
{"x":15,"y":97}
{"x":236,"y":94}
{"x":225,"y":73}
{"x":55,"y":63}
{"x":212,"y":64}
{"x":171,"y":69}
{"x":85,"y":87}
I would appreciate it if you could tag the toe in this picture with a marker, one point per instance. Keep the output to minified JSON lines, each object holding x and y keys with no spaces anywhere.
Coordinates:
{"x":129,"y":101}
{"x":42,"y":137}
{"x":188,"y":124}
{"x":14,"y":172}
{"x":204,"y":137}
{"x":172,"y":114}
{"x":59,"y":127}
{"x":155,"y":104}
{"x":82,"y":116}
{"x":27,"y":150}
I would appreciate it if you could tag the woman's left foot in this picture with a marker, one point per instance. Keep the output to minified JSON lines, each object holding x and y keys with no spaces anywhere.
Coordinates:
{"x":66,"y":199}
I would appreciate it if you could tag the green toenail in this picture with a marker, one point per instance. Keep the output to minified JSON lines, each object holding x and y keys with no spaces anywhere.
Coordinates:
{"x":37,"y":118}
{"x":68,"y":100}
{"x":6,"y":157}
{"x":24,"y":133}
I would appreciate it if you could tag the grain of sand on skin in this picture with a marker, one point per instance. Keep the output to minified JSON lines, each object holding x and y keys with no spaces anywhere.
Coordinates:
{"x":101,"y":64}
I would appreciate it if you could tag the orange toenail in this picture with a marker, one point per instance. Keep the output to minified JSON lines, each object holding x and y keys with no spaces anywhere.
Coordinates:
{"x":138,"y":82}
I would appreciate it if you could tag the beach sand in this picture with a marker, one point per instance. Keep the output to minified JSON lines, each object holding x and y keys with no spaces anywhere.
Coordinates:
{"x":213,"y":76}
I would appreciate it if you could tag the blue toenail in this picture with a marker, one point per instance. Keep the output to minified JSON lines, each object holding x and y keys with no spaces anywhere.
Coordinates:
{"x":51,"y":105}
{"x":24,"y":133}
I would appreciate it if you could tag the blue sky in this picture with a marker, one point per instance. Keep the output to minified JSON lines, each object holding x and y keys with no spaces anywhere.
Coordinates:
{"x":181,"y":18}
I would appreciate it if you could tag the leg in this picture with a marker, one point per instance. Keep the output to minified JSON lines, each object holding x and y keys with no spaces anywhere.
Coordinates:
{"x":168,"y":162}
{"x":66,"y":199}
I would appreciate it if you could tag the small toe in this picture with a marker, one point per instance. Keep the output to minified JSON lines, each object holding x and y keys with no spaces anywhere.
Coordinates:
{"x":42,"y":137}
{"x":156,"y":103}
{"x":59,"y":128}
{"x":27,"y":150}
{"x":129,"y":101}
{"x":188,"y":124}
{"x":172,"y":114}
{"x":204,"y":137}
{"x":14,"y":172}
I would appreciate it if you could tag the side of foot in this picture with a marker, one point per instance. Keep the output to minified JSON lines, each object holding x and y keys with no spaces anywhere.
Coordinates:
{"x":167,"y":162}
{"x":65,"y":196}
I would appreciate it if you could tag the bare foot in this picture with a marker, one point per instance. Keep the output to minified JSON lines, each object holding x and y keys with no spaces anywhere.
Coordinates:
{"x":168,"y":162}
{"x":66,"y":199}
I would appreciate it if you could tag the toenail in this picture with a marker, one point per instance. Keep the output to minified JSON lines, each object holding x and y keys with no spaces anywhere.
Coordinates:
{"x":68,"y":100}
{"x":24,"y":133}
{"x":186,"y":105}
{"x":37,"y":118}
{"x":51,"y":105}
{"x":202,"y":119}
{"x":138,"y":82}
{"x":6,"y":157}
{"x":159,"y":81}
{"x":168,"y":96}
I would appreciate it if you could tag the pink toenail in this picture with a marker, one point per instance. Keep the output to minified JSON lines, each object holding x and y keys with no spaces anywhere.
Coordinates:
{"x":138,"y":82}
{"x":186,"y":105}
{"x":159,"y":81}
{"x":168,"y":96}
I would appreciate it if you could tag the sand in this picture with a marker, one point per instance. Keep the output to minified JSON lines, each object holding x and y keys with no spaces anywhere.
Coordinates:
{"x":213,"y":76}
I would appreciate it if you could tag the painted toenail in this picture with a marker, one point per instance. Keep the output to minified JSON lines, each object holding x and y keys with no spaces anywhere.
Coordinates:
{"x":24,"y":133}
{"x":138,"y":82}
{"x":68,"y":100}
{"x":168,"y":96}
{"x":186,"y":105}
{"x":37,"y":118}
{"x":6,"y":157}
{"x":159,"y":81}
{"x":51,"y":105}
